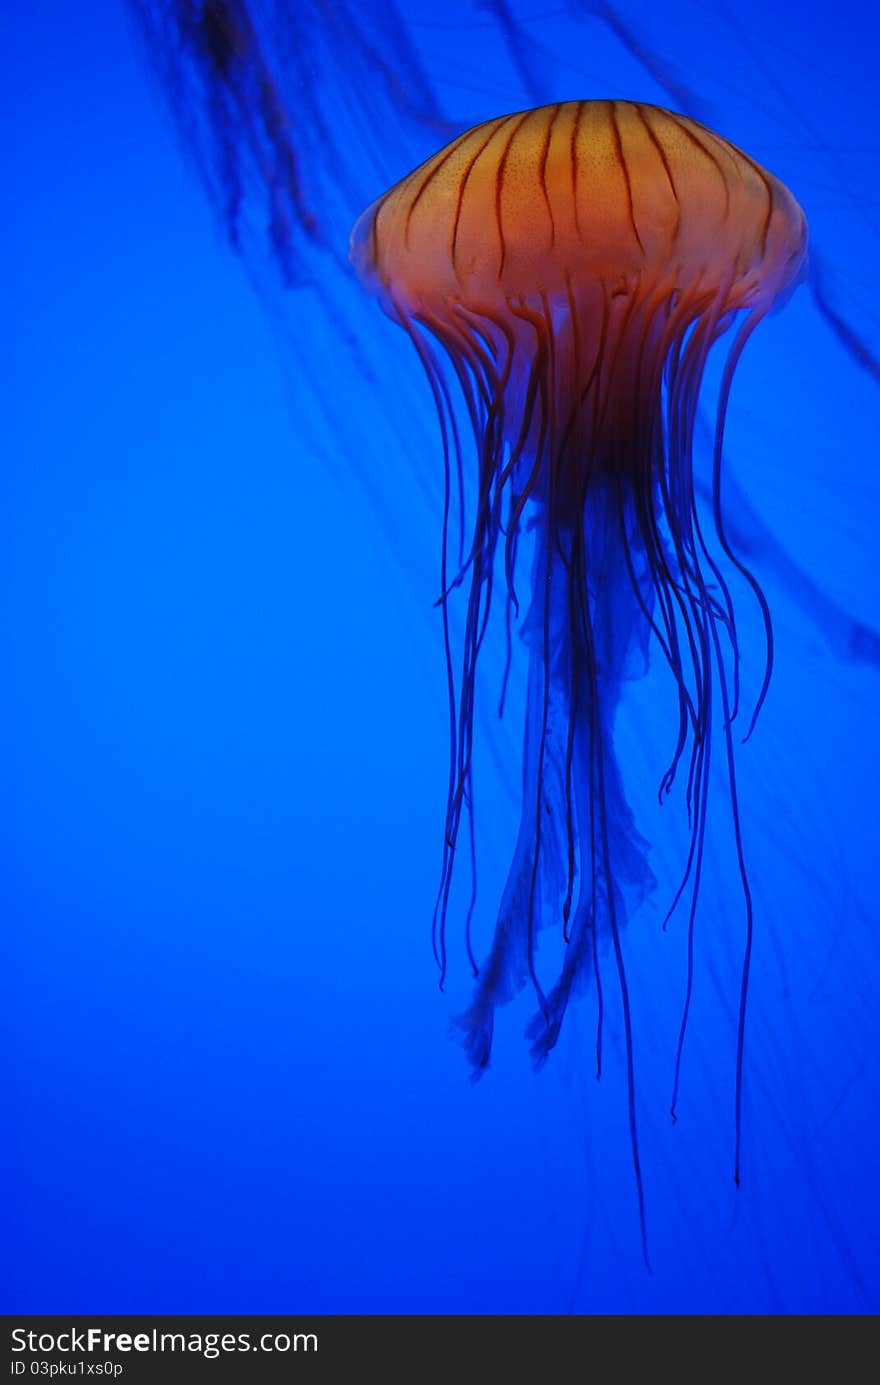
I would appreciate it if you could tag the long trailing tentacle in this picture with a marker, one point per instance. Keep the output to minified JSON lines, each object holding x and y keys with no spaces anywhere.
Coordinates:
{"x":587,"y":448}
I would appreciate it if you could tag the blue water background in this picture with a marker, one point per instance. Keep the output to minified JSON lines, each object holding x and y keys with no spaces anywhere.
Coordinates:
{"x":229,"y":1078}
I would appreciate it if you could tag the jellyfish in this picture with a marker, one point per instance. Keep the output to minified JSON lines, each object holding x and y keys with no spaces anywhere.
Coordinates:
{"x":564,"y":272}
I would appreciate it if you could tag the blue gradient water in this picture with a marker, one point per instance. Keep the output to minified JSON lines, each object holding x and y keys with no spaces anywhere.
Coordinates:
{"x":230,"y":1078}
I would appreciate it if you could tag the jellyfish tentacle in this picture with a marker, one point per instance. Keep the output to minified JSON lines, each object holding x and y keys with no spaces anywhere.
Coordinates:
{"x":746,"y":328}
{"x":695,"y":865}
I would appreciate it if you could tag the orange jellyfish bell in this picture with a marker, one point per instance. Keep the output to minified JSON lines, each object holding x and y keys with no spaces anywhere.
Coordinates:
{"x":584,"y":192}
{"x":576,"y":263}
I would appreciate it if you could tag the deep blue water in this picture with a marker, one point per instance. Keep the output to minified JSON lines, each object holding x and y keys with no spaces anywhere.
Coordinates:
{"x":231,"y":1081}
